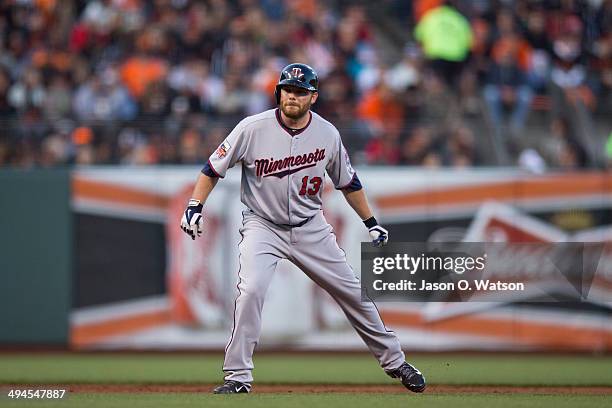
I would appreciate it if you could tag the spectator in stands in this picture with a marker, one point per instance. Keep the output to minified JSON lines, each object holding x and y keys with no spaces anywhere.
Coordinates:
{"x":6,"y":108}
{"x":572,"y":89}
{"x":139,"y":71}
{"x":601,"y":65}
{"x":340,"y":91}
{"x":28,"y":93}
{"x":563,"y":149}
{"x":58,"y":103}
{"x":418,"y":149}
{"x":461,"y":147}
{"x":407,"y":72}
{"x":538,"y":70}
{"x":572,"y":157}
{"x":381,"y":109}
{"x":384,"y":149}
{"x":83,"y":140}
{"x":109,"y":81}
{"x":506,"y":86}
{"x":56,"y":150}
{"x":435,"y":108}
{"x":103,"y":98}
{"x":446,"y":38}
{"x":569,"y":73}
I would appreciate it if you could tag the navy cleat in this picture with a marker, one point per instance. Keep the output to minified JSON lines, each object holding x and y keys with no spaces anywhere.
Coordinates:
{"x":411,"y":377}
{"x":233,"y":387}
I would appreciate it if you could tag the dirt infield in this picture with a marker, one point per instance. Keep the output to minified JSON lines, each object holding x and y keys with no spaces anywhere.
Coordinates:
{"x":325,"y":388}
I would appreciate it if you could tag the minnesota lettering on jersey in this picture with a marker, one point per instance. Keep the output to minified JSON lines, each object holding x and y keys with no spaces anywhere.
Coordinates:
{"x":282,"y":167}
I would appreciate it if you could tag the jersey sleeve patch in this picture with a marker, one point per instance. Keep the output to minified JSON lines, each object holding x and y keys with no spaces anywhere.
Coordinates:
{"x":223,"y":149}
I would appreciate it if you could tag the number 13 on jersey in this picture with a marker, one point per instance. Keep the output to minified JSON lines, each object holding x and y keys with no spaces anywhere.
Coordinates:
{"x":315,"y":182}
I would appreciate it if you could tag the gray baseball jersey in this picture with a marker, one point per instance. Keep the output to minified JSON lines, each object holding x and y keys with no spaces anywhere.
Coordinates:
{"x":283,"y":172}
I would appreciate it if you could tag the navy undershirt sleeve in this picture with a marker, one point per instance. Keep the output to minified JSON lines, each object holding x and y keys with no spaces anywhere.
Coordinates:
{"x":209,"y":171}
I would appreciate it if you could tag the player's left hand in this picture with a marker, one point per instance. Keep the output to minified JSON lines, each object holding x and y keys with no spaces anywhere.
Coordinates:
{"x":379,"y":235}
{"x":191,"y":222}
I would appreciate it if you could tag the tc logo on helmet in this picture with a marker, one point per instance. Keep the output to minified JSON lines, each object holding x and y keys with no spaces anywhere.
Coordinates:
{"x":296,"y":72}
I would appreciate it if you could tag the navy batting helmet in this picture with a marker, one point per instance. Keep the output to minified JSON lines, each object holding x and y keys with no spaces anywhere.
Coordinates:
{"x":300,"y":75}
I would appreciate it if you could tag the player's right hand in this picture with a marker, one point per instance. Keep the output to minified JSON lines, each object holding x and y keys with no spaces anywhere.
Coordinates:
{"x":191,"y":222}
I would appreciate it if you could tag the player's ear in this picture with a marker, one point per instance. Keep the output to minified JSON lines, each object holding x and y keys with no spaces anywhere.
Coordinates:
{"x":314,"y":97}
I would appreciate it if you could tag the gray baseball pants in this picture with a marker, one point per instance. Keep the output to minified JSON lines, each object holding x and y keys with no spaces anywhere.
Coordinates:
{"x":313,"y":248}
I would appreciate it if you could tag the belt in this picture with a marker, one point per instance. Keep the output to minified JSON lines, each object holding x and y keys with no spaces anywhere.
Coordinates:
{"x":295,"y":225}
{"x":284,"y":225}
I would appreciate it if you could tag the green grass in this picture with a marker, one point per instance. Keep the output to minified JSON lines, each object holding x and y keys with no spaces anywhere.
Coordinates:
{"x":317,"y":400}
{"x":307,"y":369}
{"x":355,"y":369}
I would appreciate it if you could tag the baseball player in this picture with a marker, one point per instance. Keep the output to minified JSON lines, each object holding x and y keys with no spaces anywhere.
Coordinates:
{"x":285,"y":154}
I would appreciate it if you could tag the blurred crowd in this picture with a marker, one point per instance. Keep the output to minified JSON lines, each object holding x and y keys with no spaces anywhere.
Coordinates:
{"x":163,"y":81}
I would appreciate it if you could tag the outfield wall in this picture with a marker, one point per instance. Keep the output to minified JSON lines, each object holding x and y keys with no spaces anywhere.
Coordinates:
{"x":95,"y":259}
{"x":35,"y":257}
{"x":142,"y":283}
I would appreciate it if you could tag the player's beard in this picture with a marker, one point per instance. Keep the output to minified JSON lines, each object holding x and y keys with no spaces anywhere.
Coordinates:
{"x":293,"y":113}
